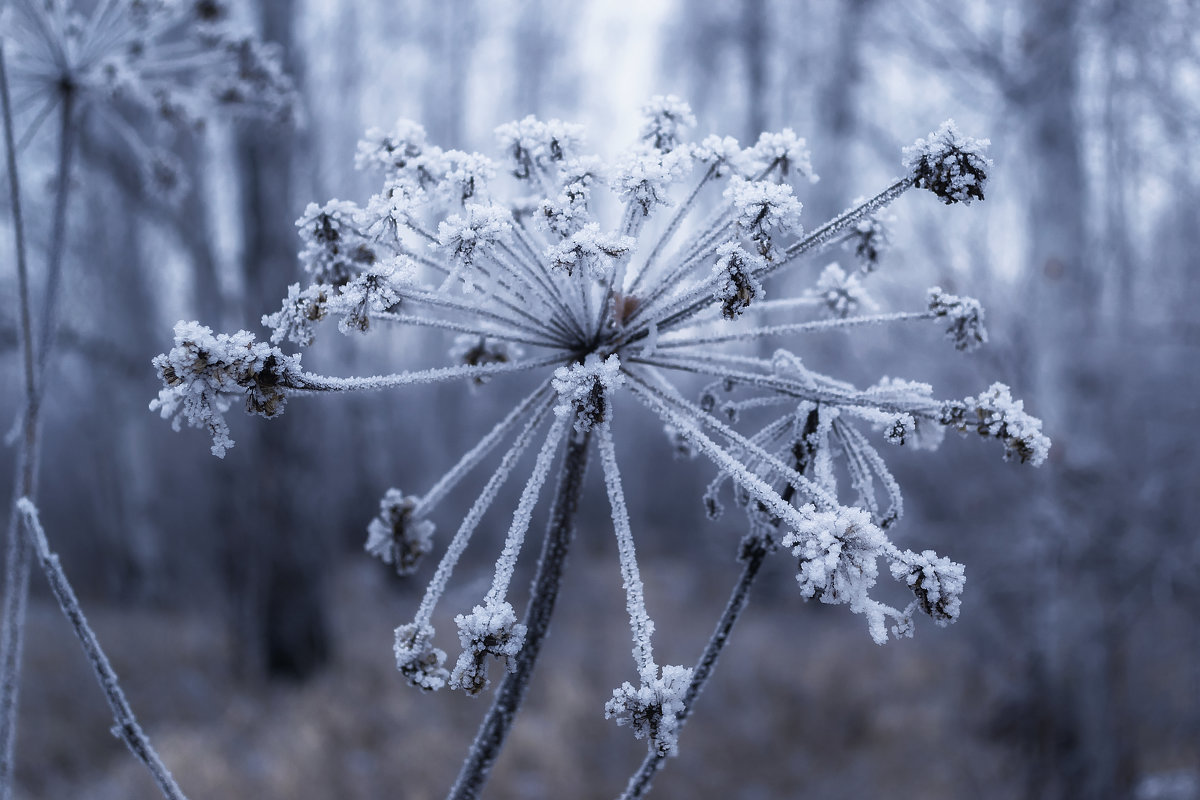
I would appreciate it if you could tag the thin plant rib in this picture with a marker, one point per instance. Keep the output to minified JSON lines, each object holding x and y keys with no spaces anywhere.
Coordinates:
{"x":18,"y":556}
{"x":793,"y":327}
{"x":640,"y":624}
{"x":543,"y":594}
{"x":126,"y":728}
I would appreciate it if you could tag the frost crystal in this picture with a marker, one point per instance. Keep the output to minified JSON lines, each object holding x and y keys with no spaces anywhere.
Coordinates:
{"x":488,"y":630}
{"x":965,"y":315}
{"x":645,"y":179}
{"x":952,"y":166}
{"x":652,"y":709}
{"x":202,"y":374}
{"x":837,"y":551}
{"x":995,"y":414}
{"x":395,"y":536}
{"x":301,"y":310}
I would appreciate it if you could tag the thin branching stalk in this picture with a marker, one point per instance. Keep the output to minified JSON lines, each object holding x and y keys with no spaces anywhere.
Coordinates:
{"x":126,"y":728}
{"x":58,"y":233}
{"x":544,"y":592}
{"x":754,"y":554}
{"x":16,"y":574}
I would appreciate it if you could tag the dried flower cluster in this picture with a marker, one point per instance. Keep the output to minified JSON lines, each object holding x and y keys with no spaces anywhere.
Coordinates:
{"x":528,"y":280}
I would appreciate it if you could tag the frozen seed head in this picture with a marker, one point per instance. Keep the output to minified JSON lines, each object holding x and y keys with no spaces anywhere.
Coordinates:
{"x":952,"y":166}
{"x":763,"y":210}
{"x":418,"y":660}
{"x":652,"y":709}
{"x":936,"y":582}
{"x":532,"y":143}
{"x":995,"y":414}
{"x":838,"y":551}
{"x":869,"y":239}
{"x":965,"y":316}
{"x":841,"y":294}
{"x":490,"y":629}
{"x":395,"y":536}
{"x":736,"y":285}
{"x":665,"y":120}
{"x":591,"y":249}
{"x":585,"y":388}
{"x":335,"y":248}
{"x":466,"y":239}
{"x":202,"y":373}
{"x":785,"y":151}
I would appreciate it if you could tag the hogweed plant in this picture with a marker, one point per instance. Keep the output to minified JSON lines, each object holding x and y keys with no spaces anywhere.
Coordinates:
{"x":532,"y":280}
{"x":131,"y":67}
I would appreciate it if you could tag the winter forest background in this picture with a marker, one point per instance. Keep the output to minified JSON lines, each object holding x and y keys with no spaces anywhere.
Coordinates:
{"x":252,"y":634}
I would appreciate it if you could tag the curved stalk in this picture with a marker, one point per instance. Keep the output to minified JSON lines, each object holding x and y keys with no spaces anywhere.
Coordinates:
{"x":544,"y":592}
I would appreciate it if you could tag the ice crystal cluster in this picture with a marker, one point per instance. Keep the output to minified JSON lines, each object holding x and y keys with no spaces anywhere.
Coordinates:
{"x":174,"y":61}
{"x":517,"y":263}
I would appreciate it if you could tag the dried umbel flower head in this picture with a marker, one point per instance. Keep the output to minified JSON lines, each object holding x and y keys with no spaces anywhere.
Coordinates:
{"x":541,"y":286}
{"x":174,"y":61}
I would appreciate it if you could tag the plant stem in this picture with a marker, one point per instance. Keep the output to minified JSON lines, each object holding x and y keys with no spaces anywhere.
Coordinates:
{"x":754,"y":552}
{"x":16,"y":573}
{"x":127,"y":728}
{"x":546,"y":583}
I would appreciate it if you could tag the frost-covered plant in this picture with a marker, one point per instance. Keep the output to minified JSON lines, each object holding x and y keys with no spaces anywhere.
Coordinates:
{"x":174,"y":62}
{"x":543,"y":286}
{"x":131,"y":66}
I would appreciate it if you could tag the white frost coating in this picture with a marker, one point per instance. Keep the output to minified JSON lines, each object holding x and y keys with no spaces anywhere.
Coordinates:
{"x":936,"y":582}
{"x":523,"y":516}
{"x":722,"y":153}
{"x":584,"y":390}
{"x":665,"y":119}
{"x":417,"y":659}
{"x":735,"y":285}
{"x":591,"y":249}
{"x":490,"y":629}
{"x":995,"y":414}
{"x":841,"y":294}
{"x":301,"y":310}
{"x":652,"y":709}
{"x":787,"y":150}
{"x":641,"y":626}
{"x":437,"y":585}
{"x":202,"y":373}
{"x":965,"y":315}
{"x":644,"y":179}
{"x":396,"y":153}
{"x":531,"y":143}
{"x":335,"y":249}
{"x":763,"y":210}
{"x":952,"y":166}
{"x":467,"y":177}
{"x":370,"y":292}
{"x":467,"y":239}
